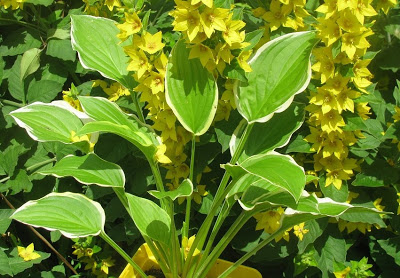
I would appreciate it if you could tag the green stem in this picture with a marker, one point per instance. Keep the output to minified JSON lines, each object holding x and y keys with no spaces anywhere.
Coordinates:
{"x":139,"y":111}
{"x":218,"y":199}
{"x":34,"y":166}
{"x":233,"y":230}
{"x":13,"y":103}
{"x":114,"y":245}
{"x":23,"y":23}
{"x":185,"y":229}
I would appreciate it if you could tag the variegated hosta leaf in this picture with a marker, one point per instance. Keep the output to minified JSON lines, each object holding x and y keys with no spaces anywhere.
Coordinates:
{"x":276,"y":171}
{"x":281,"y":69}
{"x":275,"y":133}
{"x":95,"y":40}
{"x":47,"y":122}
{"x":185,"y":189}
{"x":88,"y":169}
{"x":190,"y":90}
{"x":108,"y":117}
{"x":73,"y":214}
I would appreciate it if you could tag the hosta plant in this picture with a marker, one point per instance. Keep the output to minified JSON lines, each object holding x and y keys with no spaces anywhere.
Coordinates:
{"x":257,"y":178}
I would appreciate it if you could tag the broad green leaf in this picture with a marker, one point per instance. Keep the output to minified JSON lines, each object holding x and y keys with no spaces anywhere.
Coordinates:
{"x":26,"y":38}
{"x":110,"y":118}
{"x":190,"y":90}
{"x":185,"y":189}
{"x":253,"y":38}
{"x":43,"y":90}
{"x":15,"y":83}
{"x":30,"y":62}
{"x":392,"y":247}
{"x":5,"y":268}
{"x":278,"y":170}
{"x":47,"y":122}
{"x":88,"y":169}
{"x":40,"y":2}
{"x":281,"y":69}
{"x":5,"y":221}
{"x":95,"y":39}
{"x":61,"y":49}
{"x":150,"y":219}
{"x":73,"y":214}
{"x":19,"y":182}
{"x":273,"y":134}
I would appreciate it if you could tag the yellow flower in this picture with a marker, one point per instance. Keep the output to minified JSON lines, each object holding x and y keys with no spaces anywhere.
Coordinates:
{"x":202,"y":52}
{"x":299,"y":231}
{"x":112,"y":3}
{"x":115,"y":91}
{"x":316,"y":138}
{"x":28,"y":253}
{"x":343,"y":273}
{"x":242,"y":60}
{"x":324,"y":64}
{"x":14,"y":4}
{"x":132,"y":25}
{"x":232,"y":34}
{"x":269,"y":221}
{"x":377,"y":204}
{"x":160,"y":154}
{"x":138,"y":62}
{"x":187,"y":20}
{"x":201,"y":192}
{"x":363,"y":110}
{"x":155,"y":82}
{"x":331,"y":121}
{"x":213,"y":18}
{"x":345,"y":100}
{"x":396,"y":117}
{"x":349,"y":22}
{"x":105,"y":264}
{"x":208,"y":3}
{"x":277,"y":15}
{"x":187,"y":244}
{"x":328,"y":8}
{"x":363,"y":9}
{"x":151,"y":43}
{"x":324,"y":98}
{"x":353,"y":41}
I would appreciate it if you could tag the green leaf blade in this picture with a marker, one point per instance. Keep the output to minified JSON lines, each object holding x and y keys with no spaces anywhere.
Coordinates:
{"x":95,"y":40}
{"x":191,"y":90}
{"x":73,"y":214}
{"x":150,"y":219}
{"x":47,"y":122}
{"x":281,"y":69}
{"x":88,"y":169}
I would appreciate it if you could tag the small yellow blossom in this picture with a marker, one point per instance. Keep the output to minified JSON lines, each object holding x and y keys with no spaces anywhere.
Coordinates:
{"x":151,"y":43}
{"x":28,"y":253}
{"x":269,"y":221}
{"x":343,"y":273}
{"x":299,"y":231}
{"x":187,"y":244}
{"x":160,"y":154}
{"x":132,"y":25}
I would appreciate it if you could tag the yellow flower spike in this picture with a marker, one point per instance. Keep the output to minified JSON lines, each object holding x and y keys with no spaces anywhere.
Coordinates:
{"x":343,"y":273}
{"x":28,"y":253}
{"x":242,"y":60}
{"x":160,"y":154}
{"x":202,"y":52}
{"x":208,"y":3}
{"x":151,"y":43}
{"x":299,"y":231}
{"x":132,"y":25}
{"x":213,"y":19}
{"x":187,"y":244}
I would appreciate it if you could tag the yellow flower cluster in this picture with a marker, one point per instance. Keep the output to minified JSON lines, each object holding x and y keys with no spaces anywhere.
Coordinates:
{"x":344,"y":35}
{"x":211,"y":33}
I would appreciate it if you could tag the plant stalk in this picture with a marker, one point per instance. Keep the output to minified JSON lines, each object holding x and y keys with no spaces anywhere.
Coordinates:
{"x":13,"y":103}
{"x":116,"y":247}
{"x":137,"y":105}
